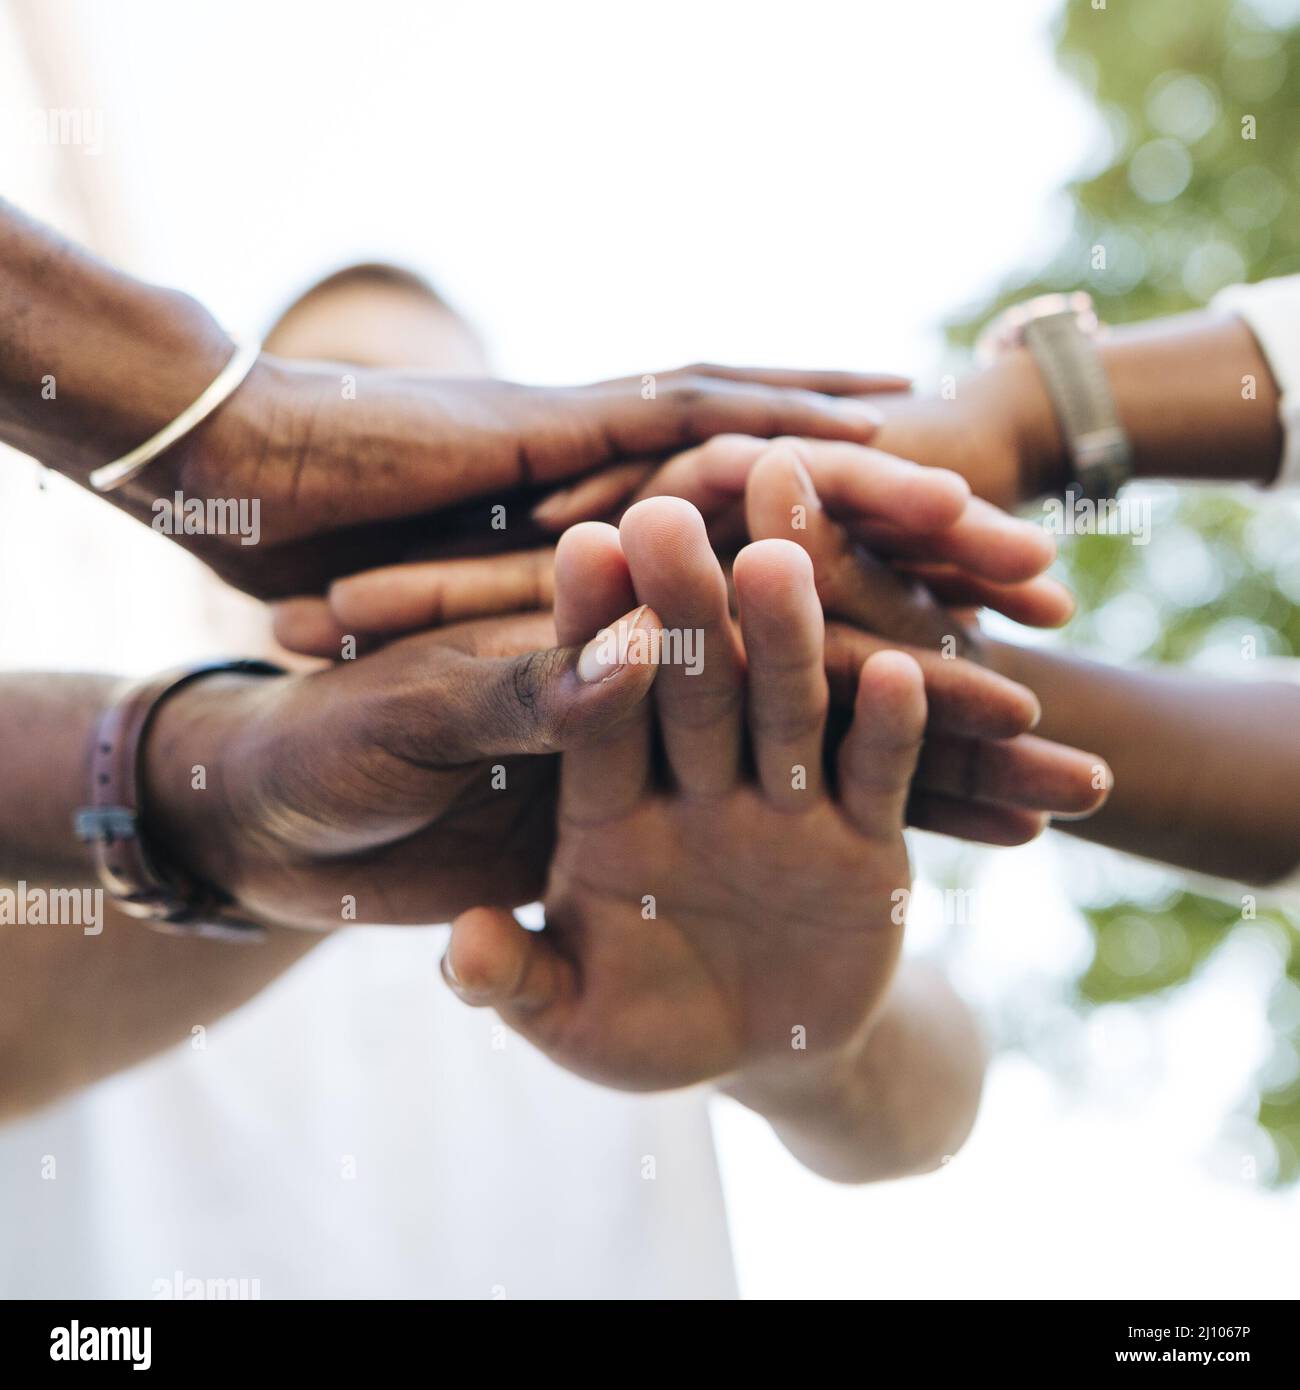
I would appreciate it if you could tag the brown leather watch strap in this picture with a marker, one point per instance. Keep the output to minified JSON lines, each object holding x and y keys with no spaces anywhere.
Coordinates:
{"x":139,"y":882}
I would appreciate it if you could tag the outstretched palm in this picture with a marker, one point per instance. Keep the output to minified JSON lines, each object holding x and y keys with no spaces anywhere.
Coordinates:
{"x":715,"y":906}
{"x":706,"y":935}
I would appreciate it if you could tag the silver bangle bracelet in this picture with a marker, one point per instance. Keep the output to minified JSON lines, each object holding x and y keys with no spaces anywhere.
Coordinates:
{"x":231,"y":377}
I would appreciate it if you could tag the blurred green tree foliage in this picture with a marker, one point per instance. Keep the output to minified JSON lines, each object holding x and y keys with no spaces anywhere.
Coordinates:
{"x":1197,"y":187}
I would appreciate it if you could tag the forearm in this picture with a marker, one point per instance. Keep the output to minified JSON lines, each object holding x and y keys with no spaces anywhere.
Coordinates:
{"x":1207,"y":772}
{"x":78,"y":1004}
{"x":45,"y":726}
{"x":900,"y":1101}
{"x":92,"y":362}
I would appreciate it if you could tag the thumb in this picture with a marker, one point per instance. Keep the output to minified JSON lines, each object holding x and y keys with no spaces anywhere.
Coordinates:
{"x":492,"y":962}
{"x":546,"y":701}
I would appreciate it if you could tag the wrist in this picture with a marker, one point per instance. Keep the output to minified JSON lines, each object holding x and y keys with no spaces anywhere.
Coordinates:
{"x":1011,"y":660}
{"x":899,"y":1099}
{"x":243,"y":446}
{"x":195,"y":758}
{"x":1016,"y":395}
{"x":826,"y":1110}
{"x":787,"y":1089}
{"x":286,"y":439}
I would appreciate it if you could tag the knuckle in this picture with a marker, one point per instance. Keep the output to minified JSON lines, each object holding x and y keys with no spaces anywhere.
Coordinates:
{"x":688,"y":392}
{"x":701,"y":707}
{"x":524,"y":703}
{"x":790,"y":723}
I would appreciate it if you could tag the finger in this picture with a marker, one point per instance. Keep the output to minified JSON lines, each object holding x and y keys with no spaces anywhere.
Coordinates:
{"x":985,"y":542}
{"x":481,"y":438}
{"x":492,"y":962}
{"x":407,"y":598}
{"x":962,"y":697}
{"x":871,"y":485}
{"x":515,"y":635}
{"x":1028,"y":772}
{"x":878,"y":755}
{"x":828,"y":383}
{"x":781,"y":499}
{"x":1003,"y":826}
{"x":711,"y":476}
{"x":701,"y":686}
{"x":443,"y":708}
{"x":855,"y":586}
{"x":593,"y":586}
{"x":606,"y":777}
{"x":308,"y":626}
{"x":677,"y":410}
{"x":601,"y":495}
{"x":861,"y":482}
{"x":1040,"y":602}
{"x":781,"y":621}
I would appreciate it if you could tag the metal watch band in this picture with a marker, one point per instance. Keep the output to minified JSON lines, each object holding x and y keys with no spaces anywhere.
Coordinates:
{"x":1100,"y":455}
{"x":112,"y":824}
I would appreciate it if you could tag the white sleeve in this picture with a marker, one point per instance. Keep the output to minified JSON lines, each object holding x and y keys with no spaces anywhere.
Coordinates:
{"x":1286,"y":668}
{"x":1271,"y":309}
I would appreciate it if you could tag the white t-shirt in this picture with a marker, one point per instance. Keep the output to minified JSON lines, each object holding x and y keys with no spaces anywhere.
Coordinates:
{"x":1271,"y":309}
{"x":355,"y":1131}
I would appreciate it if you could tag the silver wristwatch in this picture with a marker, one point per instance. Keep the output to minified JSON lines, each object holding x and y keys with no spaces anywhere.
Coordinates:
{"x":1060,"y":331}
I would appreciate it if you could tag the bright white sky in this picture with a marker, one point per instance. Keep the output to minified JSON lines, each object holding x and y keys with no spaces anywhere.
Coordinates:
{"x":609,"y":188}
{"x":604,"y":187}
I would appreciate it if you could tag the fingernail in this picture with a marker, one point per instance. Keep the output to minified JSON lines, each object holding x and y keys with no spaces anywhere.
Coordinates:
{"x":606,"y":653}
{"x":449,"y":973}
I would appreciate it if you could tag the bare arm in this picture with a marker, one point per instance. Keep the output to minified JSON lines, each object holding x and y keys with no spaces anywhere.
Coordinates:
{"x":1180,"y":386}
{"x":76,"y":1007}
{"x":1207,"y":772}
{"x":901,"y":1101}
{"x":94,"y":362}
{"x":372,"y":784}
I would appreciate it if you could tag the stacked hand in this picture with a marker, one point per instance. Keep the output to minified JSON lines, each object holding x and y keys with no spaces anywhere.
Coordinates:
{"x":726,"y":881}
{"x":718,"y":846}
{"x":706,"y":909}
{"x":401,"y":788}
{"x":982,"y":775}
{"x":355,"y":466}
{"x":721,"y":858}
